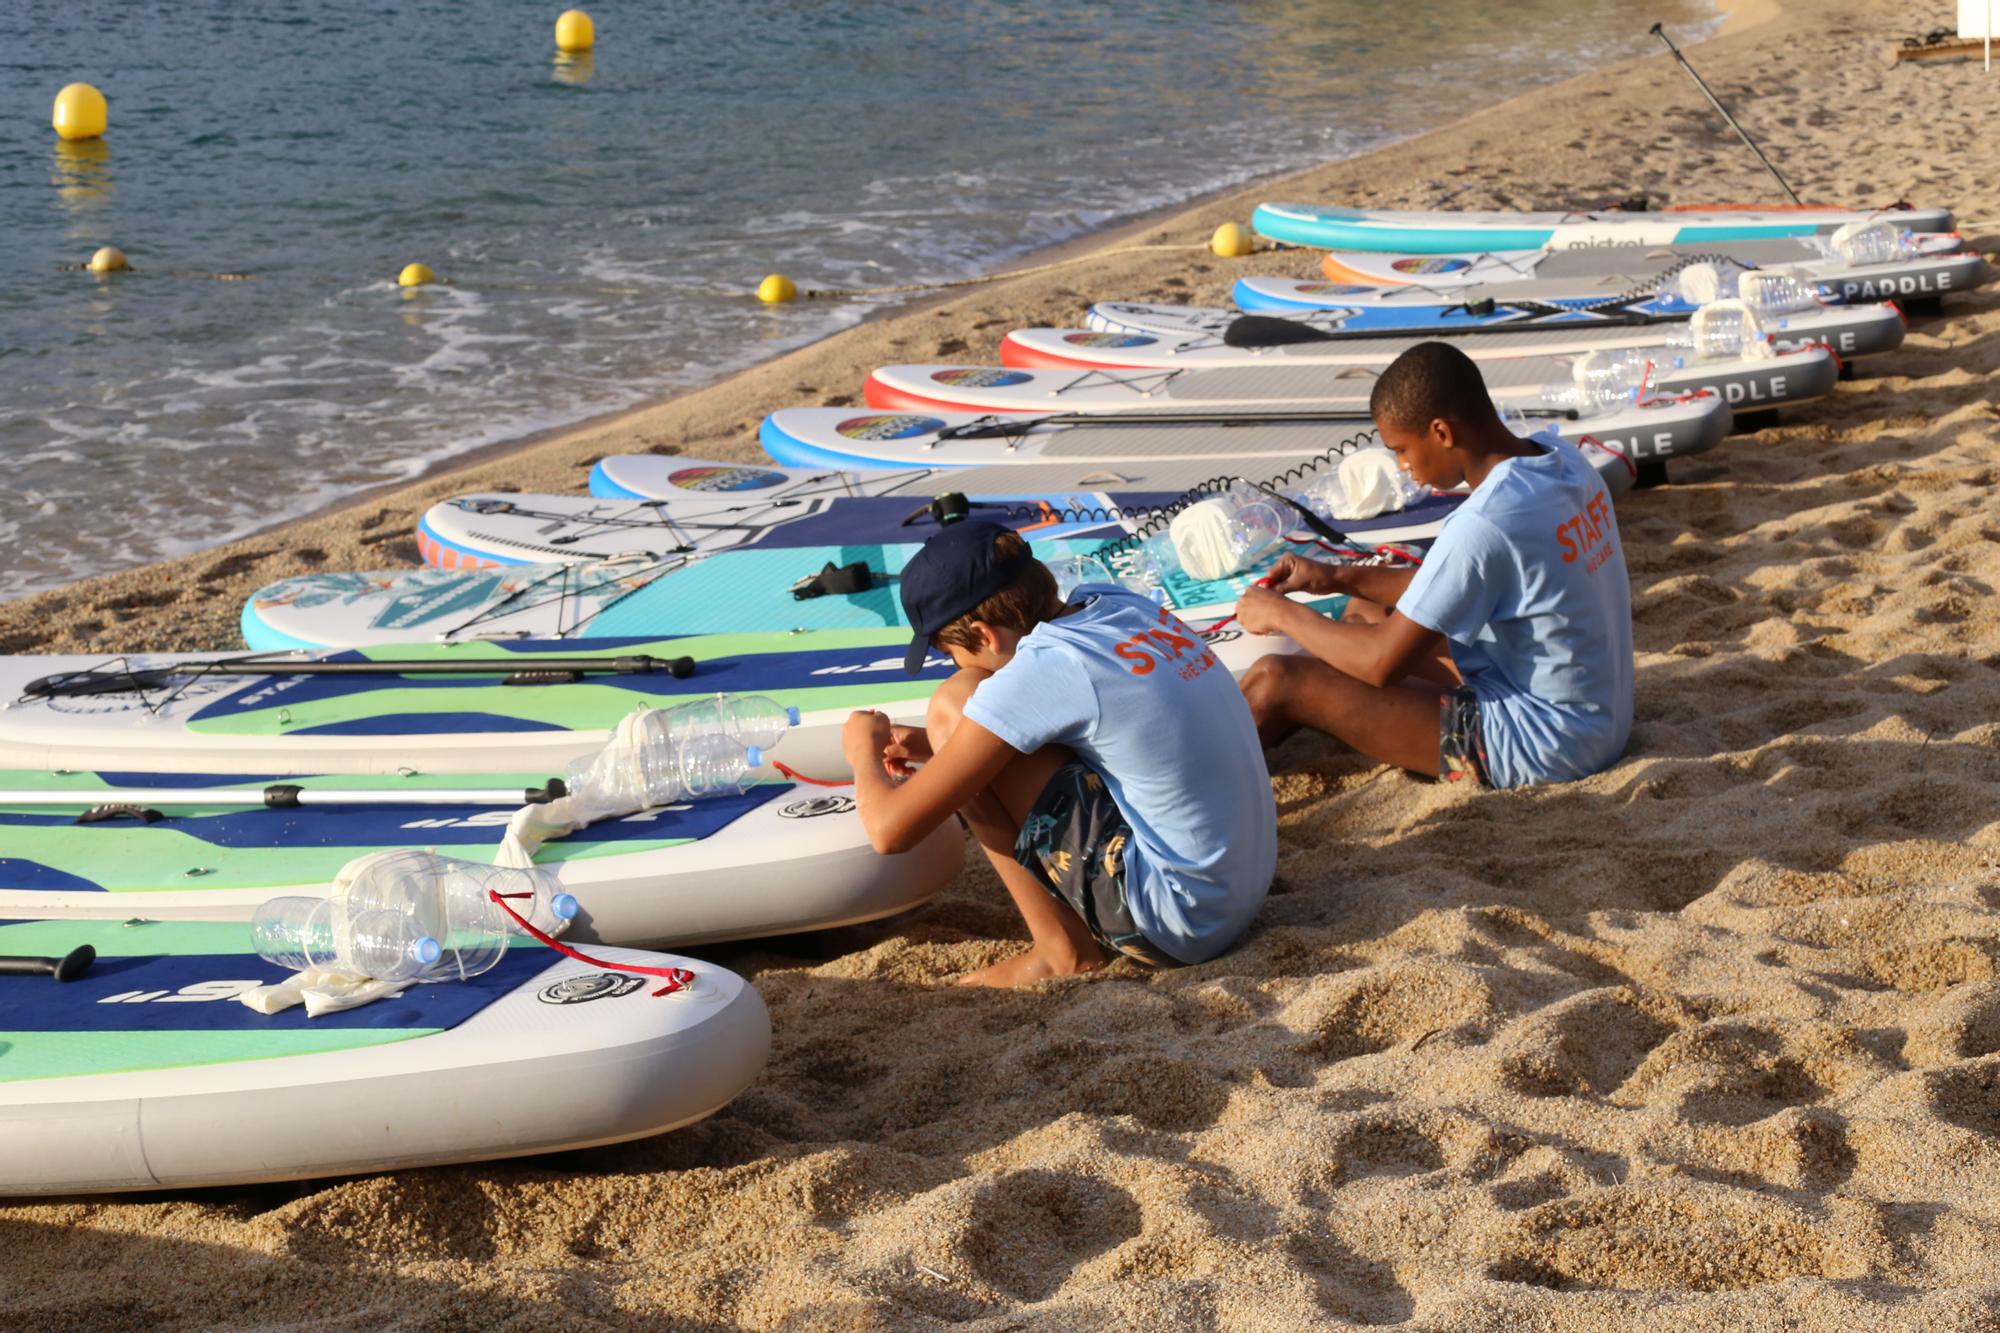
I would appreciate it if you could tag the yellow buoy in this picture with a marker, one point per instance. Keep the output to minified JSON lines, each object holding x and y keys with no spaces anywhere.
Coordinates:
{"x":80,"y":112}
{"x":575,"y":32}
{"x":108,"y":260}
{"x":1232,"y":240}
{"x":416,"y":275}
{"x":776,"y":289}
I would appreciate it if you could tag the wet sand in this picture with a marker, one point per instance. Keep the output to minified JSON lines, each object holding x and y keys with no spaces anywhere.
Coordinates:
{"x":1711,"y":1040}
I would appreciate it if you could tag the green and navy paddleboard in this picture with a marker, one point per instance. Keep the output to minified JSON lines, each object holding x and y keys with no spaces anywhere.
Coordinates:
{"x":145,"y":1072}
{"x":776,"y":859}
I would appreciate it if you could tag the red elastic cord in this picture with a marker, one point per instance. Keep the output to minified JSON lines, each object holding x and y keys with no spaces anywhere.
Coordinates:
{"x":1264,"y":582}
{"x":1618,"y":454}
{"x":678,"y":978}
{"x":797,"y":776}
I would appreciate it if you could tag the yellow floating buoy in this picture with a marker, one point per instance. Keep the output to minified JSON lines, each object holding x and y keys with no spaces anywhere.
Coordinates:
{"x":1232,"y":240}
{"x":108,"y":260}
{"x":575,"y":32}
{"x":416,"y":275}
{"x":80,"y":112}
{"x":776,"y":289}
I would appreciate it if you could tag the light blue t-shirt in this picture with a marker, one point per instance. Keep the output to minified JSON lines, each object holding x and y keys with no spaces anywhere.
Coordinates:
{"x":1527,"y":581}
{"x":1141,"y":699}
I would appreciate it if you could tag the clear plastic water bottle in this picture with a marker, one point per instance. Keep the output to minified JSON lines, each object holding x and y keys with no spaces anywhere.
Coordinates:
{"x":300,"y":933}
{"x":1132,"y":568}
{"x":1775,"y":293}
{"x":1722,"y":329}
{"x":1862,"y":243}
{"x":1603,"y":379}
{"x":1367,"y":483}
{"x":748,"y":719}
{"x":1226,"y":533}
{"x":674,"y":754}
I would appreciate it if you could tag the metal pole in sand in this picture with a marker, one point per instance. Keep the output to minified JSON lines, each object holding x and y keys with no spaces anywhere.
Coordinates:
{"x":1659,"y":30}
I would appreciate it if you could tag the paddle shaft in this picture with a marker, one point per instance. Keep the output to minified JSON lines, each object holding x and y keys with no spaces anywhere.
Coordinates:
{"x":1659,"y":31}
{"x":524,"y":671}
{"x":283,"y":796}
{"x":66,"y":968}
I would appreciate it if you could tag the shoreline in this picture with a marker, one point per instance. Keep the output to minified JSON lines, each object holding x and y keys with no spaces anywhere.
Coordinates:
{"x":126,"y":595}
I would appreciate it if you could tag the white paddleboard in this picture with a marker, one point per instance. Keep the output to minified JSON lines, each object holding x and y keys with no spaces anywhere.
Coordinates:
{"x":145,"y":1072}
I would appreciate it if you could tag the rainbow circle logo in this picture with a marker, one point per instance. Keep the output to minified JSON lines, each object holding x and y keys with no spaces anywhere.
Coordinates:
{"x":724,"y":478}
{"x":888,"y":426}
{"x":981,"y":377}
{"x":1427,"y":264}
{"x":1108,"y":340}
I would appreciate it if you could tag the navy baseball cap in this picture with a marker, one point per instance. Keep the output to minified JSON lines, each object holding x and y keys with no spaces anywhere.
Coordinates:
{"x":952,"y":574}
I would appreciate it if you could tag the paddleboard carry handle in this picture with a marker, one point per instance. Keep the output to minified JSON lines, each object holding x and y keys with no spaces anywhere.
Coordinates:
{"x":66,"y":968}
{"x":99,"y":814}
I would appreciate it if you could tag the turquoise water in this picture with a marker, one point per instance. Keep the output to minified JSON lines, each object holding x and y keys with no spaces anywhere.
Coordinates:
{"x":599,"y":219}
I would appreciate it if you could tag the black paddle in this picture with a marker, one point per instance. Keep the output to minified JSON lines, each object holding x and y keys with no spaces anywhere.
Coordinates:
{"x":66,"y":968}
{"x":529,"y":671}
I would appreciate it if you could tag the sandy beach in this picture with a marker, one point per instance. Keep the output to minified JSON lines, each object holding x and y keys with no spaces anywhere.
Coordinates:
{"x":1709,"y":1041}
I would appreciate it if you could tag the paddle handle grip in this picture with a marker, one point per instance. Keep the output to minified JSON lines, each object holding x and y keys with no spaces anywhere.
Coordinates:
{"x":66,"y":968}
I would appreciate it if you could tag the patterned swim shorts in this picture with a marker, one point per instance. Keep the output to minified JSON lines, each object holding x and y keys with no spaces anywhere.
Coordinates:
{"x":1461,"y":740}
{"x":1074,"y":842}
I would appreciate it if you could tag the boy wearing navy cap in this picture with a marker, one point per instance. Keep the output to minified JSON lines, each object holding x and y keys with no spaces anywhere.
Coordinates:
{"x":1100,"y":753}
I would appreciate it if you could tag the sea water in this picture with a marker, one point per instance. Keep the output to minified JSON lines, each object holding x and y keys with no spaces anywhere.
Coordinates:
{"x":272,"y":164}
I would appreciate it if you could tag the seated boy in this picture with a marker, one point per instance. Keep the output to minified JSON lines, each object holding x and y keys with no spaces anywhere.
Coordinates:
{"x":1097,"y":749}
{"x":1506,"y":657}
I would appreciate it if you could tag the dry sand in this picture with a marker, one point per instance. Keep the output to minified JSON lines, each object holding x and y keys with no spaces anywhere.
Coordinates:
{"x":1709,"y":1041}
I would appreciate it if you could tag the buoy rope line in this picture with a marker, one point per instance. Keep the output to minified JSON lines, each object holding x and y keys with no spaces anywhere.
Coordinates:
{"x":797,"y":776}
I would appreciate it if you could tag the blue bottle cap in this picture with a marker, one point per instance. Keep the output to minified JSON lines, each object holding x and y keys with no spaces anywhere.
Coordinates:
{"x":753,"y":756}
{"x":564,"y":905}
{"x":425,"y":950}
{"x":792,"y":715}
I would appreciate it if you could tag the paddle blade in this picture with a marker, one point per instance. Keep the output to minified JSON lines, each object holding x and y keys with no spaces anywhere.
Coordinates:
{"x":1270,"y":331}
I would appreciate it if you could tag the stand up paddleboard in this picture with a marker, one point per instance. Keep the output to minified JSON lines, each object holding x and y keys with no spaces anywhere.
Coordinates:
{"x":145,"y":1073}
{"x":1937,"y":269}
{"x":482,"y":531}
{"x":1440,"y":232}
{"x":512,"y":706}
{"x":1669,"y":423}
{"x":777,"y":859}
{"x":1115,"y":327}
{"x":1253,"y":449}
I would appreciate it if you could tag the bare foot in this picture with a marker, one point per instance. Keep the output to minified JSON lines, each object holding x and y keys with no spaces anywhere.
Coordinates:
{"x":1025,"y":969}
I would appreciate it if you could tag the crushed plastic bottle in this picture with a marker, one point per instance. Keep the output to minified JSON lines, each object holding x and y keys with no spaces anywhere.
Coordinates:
{"x":1766,"y":291}
{"x":298,"y":933}
{"x":1368,"y":482}
{"x":1226,"y":533}
{"x":1601,"y":380}
{"x":1862,"y":243}
{"x":748,"y":719}
{"x":1132,"y":568}
{"x":1724,"y":329}
{"x":707,"y":747}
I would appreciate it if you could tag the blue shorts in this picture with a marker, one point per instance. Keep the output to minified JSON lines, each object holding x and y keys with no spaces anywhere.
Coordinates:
{"x":1074,"y":842}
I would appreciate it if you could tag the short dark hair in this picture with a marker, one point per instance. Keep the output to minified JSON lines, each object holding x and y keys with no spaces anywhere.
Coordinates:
{"x":1430,"y":380}
{"x":1020,"y":606}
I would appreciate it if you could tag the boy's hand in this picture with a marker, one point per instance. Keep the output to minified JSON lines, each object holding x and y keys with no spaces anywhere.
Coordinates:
{"x":1295,"y":573}
{"x":1263,"y":610}
{"x":905,"y":744}
{"x":865,"y":738}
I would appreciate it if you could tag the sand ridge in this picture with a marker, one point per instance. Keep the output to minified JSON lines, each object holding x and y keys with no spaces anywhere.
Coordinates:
{"x":1711,"y":1040}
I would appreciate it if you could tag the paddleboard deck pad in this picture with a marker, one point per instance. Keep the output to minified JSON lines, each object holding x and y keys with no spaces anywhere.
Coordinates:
{"x":145,"y":1072}
{"x":1442,"y":232}
{"x":777,"y":859}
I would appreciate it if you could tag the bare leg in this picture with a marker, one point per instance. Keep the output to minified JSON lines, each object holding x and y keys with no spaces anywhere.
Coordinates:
{"x":1062,"y":944}
{"x":1392,"y":724}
